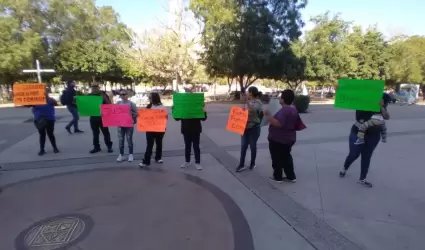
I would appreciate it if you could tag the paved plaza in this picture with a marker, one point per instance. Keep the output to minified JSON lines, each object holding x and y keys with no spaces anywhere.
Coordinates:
{"x":74,"y":200}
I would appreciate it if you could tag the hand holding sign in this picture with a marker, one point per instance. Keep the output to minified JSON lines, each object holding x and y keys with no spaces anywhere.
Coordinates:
{"x":152,"y":120}
{"x":237,"y":120}
{"x":115,"y":115}
{"x":29,"y":94}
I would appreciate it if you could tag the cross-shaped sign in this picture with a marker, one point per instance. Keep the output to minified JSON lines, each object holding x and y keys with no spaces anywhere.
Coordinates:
{"x":38,"y":70}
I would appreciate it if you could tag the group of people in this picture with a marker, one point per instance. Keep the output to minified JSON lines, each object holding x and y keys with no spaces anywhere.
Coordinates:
{"x":283,"y":125}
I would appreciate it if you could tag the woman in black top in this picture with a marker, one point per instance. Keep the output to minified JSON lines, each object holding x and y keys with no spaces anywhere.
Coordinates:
{"x":372,"y":138}
{"x":191,"y":130}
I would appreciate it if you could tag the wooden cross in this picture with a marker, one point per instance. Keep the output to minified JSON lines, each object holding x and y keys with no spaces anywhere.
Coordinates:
{"x":38,"y":70}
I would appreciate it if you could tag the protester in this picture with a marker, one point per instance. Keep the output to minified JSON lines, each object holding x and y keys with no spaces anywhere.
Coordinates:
{"x":282,"y":136}
{"x":68,"y":99}
{"x":191,"y":130}
{"x":96,"y":123}
{"x":153,"y":137}
{"x":371,"y":140}
{"x":126,"y":132}
{"x":44,"y":120}
{"x":253,"y":128}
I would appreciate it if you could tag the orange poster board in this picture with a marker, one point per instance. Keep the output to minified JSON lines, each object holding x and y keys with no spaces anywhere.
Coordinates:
{"x":237,"y":120}
{"x":29,"y":93}
{"x":152,"y":120}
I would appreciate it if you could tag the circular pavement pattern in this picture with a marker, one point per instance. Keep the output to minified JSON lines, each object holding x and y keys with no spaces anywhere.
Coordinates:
{"x":120,"y":209}
{"x":59,"y":232}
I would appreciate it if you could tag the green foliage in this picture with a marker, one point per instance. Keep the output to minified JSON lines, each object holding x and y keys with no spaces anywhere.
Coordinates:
{"x":302,"y":102}
{"x":334,"y":49}
{"x":241,"y":38}
{"x":76,"y":38}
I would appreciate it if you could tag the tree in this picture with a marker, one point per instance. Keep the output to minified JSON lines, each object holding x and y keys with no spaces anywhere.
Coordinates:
{"x":240,"y":38}
{"x":75,"y":37}
{"x":368,"y":54}
{"x":406,"y":60}
{"x":327,"y":58}
{"x":167,"y":53}
{"x":161,"y":55}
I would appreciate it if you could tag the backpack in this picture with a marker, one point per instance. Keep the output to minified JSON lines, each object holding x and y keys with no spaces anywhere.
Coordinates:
{"x":63,"y":98}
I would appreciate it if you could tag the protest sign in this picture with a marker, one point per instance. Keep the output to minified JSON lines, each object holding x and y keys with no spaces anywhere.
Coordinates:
{"x":116,"y":115}
{"x":89,"y":105}
{"x":359,"y":94}
{"x":29,"y":94}
{"x":272,"y":107}
{"x":188,"y":105}
{"x":237,"y":120}
{"x":152,"y":120}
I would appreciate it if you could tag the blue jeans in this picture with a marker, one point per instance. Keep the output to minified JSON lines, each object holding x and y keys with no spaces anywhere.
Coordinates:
{"x":249,"y":138}
{"x":123,"y":134}
{"x":364,"y":150}
{"x":74,"y":112}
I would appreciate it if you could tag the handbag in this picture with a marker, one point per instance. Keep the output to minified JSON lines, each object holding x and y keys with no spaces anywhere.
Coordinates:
{"x":41,"y":123}
{"x":299,"y":125}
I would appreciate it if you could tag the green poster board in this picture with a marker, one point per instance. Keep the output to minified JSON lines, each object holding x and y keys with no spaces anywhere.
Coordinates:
{"x":188,"y":105}
{"x":89,"y":105}
{"x":359,"y":94}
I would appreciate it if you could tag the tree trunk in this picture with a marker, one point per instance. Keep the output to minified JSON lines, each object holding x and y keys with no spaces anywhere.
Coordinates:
{"x":215,"y":91}
{"x":229,"y":84}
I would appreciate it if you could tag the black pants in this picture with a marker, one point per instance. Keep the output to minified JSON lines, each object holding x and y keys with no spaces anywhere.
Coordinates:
{"x":48,"y":128}
{"x":151,"y":139}
{"x":97,"y":126}
{"x":281,"y":159}
{"x":192,"y":139}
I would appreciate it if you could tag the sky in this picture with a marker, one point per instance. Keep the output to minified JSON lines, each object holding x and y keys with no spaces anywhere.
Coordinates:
{"x":393,"y":17}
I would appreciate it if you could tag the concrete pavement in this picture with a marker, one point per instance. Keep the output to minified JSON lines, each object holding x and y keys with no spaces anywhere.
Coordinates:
{"x":188,"y":209}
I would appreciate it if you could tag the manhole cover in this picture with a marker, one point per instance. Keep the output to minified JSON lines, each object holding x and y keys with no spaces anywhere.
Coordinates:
{"x":59,"y":232}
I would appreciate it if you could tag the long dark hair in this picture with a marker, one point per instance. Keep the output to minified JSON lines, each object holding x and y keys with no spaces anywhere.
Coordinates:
{"x":155,"y":99}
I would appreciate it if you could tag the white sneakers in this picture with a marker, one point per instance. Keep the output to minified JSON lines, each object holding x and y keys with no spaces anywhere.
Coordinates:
{"x":187,"y":164}
{"x":129,"y":159}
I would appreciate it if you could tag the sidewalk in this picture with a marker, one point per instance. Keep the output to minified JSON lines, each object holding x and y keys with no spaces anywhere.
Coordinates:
{"x":164,"y":207}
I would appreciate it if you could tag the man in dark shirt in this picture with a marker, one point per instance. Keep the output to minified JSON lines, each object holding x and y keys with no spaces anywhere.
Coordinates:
{"x":69,"y":96}
{"x":96,"y":123}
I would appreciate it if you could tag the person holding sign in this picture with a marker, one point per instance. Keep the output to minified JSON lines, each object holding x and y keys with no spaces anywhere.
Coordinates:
{"x":44,"y":121}
{"x":126,"y":132}
{"x":96,"y":123}
{"x":282,"y":136}
{"x":191,"y":128}
{"x":371,"y":140}
{"x":252,"y":129}
{"x":154,"y":137}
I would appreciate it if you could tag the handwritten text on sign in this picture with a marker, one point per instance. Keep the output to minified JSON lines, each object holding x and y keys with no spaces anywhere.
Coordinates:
{"x":237,"y":120}
{"x":152,"y":120}
{"x":29,"y":93}
{"x":115,"y":115}
{"x":357,"y":94}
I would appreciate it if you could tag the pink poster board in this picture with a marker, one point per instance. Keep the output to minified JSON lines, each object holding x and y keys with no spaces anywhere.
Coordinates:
{"x":116,"y":115}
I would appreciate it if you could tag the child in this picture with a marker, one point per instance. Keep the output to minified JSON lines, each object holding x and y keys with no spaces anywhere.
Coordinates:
{"x":126,"y":132}
{"x":153,"y":137}
{"x":376,"y":120}
{"x":191,"y":130}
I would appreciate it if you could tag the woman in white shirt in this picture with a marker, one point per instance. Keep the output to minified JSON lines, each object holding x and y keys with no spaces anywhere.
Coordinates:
{"x":153,"y":137}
